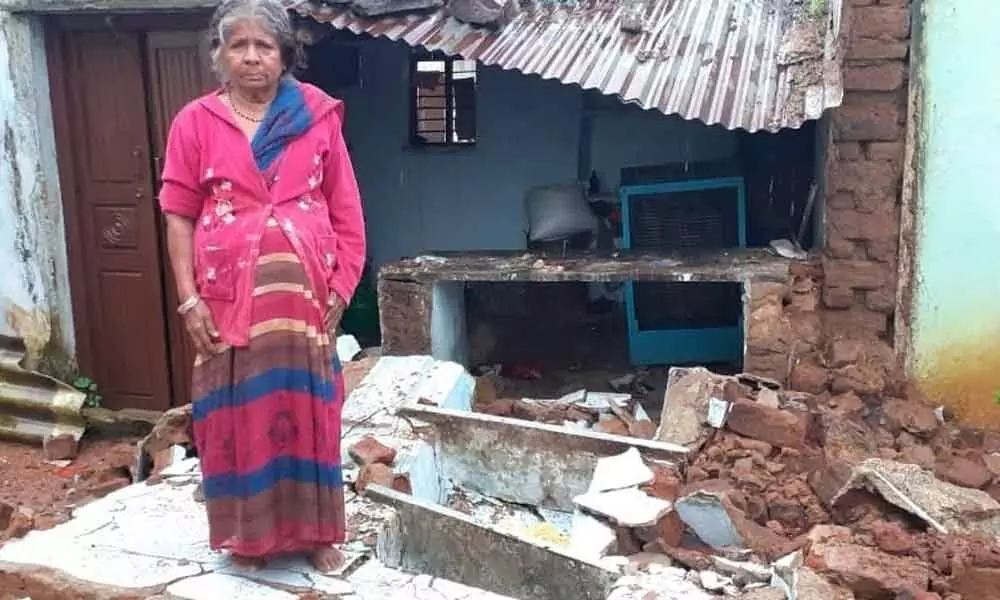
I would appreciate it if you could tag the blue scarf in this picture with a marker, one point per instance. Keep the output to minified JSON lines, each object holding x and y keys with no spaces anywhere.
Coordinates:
{"x":286,"y":119}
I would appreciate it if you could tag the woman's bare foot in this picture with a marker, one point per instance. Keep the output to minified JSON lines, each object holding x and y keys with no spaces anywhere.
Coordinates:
{"x":327,"y":559}
{"x":250,"y":563}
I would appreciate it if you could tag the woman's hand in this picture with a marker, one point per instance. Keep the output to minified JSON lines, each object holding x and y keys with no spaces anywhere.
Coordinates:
{"x":334,"y":312}
{"x":201,"y":328}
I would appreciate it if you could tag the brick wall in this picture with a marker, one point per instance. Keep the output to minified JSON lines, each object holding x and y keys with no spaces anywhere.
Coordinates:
{"x":863,"y":185}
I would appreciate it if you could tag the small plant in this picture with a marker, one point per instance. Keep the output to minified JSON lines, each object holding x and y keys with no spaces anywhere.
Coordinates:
{"x":996,"y":397}
{"x":89,"y":387}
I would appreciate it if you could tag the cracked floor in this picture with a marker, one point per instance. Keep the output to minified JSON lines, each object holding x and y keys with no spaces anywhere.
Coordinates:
{"x":150,"y":540}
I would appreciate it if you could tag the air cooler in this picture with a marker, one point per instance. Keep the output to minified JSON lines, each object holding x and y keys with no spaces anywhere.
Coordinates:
{"x":684,"y":322}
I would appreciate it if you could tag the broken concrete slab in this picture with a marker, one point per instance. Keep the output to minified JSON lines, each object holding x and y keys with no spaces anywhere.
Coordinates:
{"x":521,"y":461}
{"x":98,"y":554}
{"x":441,"y":542}
{"x":620,"y":471}
{"x":945,"y":507}
{"x":686,"y":406}
{"x":668,"y":583}
{"x":397,"y":381}
{"x":628,"y":508}
{"x":705,"y":514}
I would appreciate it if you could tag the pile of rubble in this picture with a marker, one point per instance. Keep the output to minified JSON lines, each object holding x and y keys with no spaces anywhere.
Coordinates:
{"x":786,"y":494}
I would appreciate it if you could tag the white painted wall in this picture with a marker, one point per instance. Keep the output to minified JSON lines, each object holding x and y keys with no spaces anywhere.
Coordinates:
{"x":34,"y":277}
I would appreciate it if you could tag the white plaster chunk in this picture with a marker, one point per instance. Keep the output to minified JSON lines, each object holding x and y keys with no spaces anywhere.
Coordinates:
{"x":589,"y":538}
{"x":629,"y":507}
{"x":347,"y":348}
{"x":669,"y":583}
{"x":214,"y":586}
{"x":621,"y":471}
{"x":186,"y":467}
{"x":397,"y":381}
{"x":375,"y":581}
{"x":98,"y":565}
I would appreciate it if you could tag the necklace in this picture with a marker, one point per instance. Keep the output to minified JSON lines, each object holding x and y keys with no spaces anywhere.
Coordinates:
{"x":241,"y":114}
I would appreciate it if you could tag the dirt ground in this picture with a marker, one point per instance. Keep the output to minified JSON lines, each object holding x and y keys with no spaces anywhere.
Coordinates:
{"x":49,"y":491}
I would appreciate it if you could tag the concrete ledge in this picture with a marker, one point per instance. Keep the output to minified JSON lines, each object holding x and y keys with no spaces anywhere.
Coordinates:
{"x":522,"y":461}
{"x":429,"y":538}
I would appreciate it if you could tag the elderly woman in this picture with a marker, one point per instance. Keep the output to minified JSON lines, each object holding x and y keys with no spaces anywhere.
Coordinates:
{"x":266,"y":241}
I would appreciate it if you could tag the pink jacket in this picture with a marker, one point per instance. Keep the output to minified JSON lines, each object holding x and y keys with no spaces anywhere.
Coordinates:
{"x":210,"y":176}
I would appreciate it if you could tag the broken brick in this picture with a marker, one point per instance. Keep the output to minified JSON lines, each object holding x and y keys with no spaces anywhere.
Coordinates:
{"x":371,"y":451}
{"x":772,"y":425}
{"x":644,"y":429}
{"x":868,"y":572}
{"x":612,"y":426}
{"x":910,"y":416}
{"x":500,"y":407}
{"x":964,"y":472}
{"x":60,"y":447}
{"x":382,"y":475}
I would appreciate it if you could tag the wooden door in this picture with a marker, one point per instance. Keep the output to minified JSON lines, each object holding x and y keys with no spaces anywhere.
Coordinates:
{"x":116,"y":227}
{"x":178,"y":67}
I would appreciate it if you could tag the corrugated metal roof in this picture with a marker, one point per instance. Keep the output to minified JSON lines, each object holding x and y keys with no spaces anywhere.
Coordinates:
{"x":742,"y":64}
{"x":33,"y":405}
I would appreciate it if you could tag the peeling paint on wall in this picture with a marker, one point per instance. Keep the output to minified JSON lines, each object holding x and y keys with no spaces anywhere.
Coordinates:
{"x":34,"y":286}
{"x":955,"y":354}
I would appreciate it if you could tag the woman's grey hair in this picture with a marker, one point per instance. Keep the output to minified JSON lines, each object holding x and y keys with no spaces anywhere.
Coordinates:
{"x":272,"y":15}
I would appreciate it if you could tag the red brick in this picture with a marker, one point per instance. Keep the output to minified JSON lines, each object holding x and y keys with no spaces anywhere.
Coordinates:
{"x":885,"y":151}
{"x":882,"y":300}
{"x":909,"y":415}
{"x":852,"y":224}
{"x":875,"y":49}
{"x":858,"y":321}
{"x":976,"y":582}
{"x":883,"y":250}
{"x":874,"y":116}
{"x":864,"y":178}
{"x":879,"y":77}
{"x":840,"y":200}
{"x":868,"y":572}
{"x":849,"y":151}
{"x":808,"y":376}
{"x":838,"y":297}
{"x":963,"y":472}
{"x":869,"y":203}
{"x":855,"y":274}
{"x":60,"y":447}
{"x":838,"y":247}
{"x":370,"y":451}
{"x":880,"y":22}
{"x":772,"y":425}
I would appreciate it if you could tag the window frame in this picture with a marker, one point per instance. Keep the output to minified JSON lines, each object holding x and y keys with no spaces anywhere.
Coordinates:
{"x":418,"y":56}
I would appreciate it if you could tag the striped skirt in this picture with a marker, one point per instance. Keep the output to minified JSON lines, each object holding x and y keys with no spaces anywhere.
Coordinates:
{"x":267,"y":421}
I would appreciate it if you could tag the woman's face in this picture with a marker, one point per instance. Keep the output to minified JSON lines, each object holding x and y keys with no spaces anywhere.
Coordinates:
{"x":252,"y":57}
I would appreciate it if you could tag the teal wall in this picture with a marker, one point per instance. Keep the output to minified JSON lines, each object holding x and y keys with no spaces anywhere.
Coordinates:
{"x":955,"y":352}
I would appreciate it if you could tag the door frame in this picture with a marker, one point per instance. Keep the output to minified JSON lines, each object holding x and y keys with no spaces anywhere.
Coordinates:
{"x":54,"y":27}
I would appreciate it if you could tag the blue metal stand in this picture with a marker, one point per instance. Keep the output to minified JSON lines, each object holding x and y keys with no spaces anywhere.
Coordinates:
{"x":682,"y":346}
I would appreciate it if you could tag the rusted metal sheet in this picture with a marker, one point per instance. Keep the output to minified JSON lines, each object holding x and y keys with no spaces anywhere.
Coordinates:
{"x":743,"y":64}
{"x":33,"y":405}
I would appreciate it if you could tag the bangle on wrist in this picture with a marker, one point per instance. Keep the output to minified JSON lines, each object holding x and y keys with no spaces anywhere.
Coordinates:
{"x":188,"y":304}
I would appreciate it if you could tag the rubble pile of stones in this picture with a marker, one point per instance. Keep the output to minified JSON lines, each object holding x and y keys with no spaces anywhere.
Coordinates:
{"x":795,"y":495}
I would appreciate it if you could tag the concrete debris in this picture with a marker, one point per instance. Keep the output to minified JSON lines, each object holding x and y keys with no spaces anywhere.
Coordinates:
{"x":685,"y":415}
{"x":348,"y":348}
{"x":619,"y":472}
{"x":669,"y":583}
{"x":628,"y":507}
{"x":945,"y":507}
